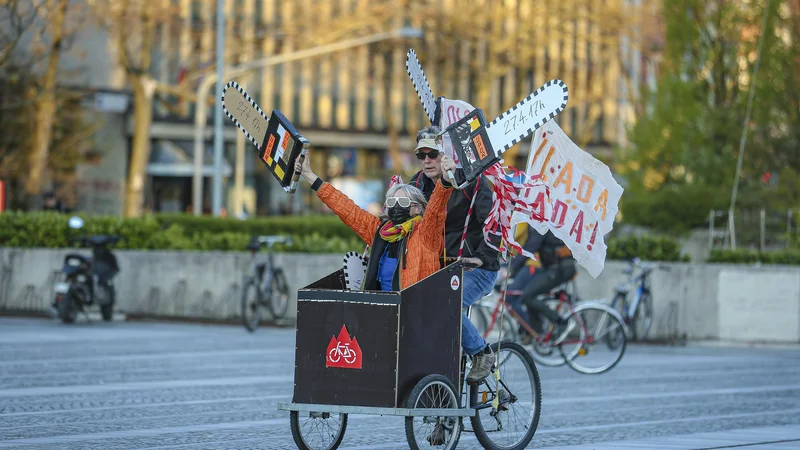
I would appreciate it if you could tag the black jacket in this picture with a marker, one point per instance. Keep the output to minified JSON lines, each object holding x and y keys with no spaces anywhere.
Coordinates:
{"x":457,"y":208}
{"x":547,"y":245}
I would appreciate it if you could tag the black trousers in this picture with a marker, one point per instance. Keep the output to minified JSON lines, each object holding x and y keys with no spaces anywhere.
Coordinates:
{"x":542,"y":281}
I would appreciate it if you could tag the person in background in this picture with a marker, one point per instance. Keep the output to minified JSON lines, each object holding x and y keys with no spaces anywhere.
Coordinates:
{"x":556,"y":266}
{"x":52,"y":203}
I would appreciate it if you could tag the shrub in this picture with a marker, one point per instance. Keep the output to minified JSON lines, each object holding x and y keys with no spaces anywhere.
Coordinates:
{"x":312,"y":234}
{"x":648,"y":248}
{"x":785,"y":257}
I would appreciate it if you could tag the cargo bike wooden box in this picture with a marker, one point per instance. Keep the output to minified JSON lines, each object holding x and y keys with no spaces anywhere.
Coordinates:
{"x":399,"y":354}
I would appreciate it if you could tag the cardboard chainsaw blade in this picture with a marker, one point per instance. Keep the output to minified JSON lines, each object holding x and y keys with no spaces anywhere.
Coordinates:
{"x":278,"y":142}
{"x":421,"y":85}
{"x":509,"y":128}
{"x":245,"y":113}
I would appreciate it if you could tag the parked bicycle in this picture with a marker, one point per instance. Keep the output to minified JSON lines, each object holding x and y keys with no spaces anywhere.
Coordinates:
{"x":589,"y":324}
{"x":633,"y":299}
{"x":266,"y":286}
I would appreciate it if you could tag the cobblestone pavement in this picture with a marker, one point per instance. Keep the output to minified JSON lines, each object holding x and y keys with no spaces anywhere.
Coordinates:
{"x":159,"y":385}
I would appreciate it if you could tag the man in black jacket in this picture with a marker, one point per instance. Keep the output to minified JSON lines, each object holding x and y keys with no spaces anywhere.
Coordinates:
{"x":557,"y":266}
{"x":478,"y":282}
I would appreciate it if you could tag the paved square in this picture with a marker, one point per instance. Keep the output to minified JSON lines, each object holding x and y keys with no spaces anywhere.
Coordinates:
{"x":158,"y":385}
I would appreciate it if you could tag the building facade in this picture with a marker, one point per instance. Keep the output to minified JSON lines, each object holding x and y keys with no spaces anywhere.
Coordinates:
{"x":357,"y":107}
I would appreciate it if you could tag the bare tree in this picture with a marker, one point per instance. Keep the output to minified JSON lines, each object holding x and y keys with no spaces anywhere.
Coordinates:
{"x":133,"y":27}
{"x":36,"y":33}
{"x":46,"y":105}
{"x":17,"y":18}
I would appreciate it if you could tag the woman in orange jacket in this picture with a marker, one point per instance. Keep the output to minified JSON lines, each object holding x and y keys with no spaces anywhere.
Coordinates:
{"x":405,"y":247}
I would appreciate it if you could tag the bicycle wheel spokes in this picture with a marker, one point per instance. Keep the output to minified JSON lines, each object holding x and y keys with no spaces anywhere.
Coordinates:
{"x":591,"y":354}
{"x":518,"y":395}
{"x":544,"y":352}
{"x":643,"y":317}
{"x":614,"y":339}
{"x":278,"y":295}
{"x":437,"y":392}
{"x":318,"y":430}
{"x":490,"y":330}
{"x":251,"y":305}
{"x":487,"y":318}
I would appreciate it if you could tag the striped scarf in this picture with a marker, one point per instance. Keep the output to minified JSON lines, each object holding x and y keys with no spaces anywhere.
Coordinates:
{"x":393,"y":233}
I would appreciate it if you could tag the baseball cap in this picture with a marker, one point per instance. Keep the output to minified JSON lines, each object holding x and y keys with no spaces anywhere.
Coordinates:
{"x":427,"y":143}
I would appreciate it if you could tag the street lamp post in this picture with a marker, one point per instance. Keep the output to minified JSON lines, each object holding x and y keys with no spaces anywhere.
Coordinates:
{"x":216,"y":191}
{"x":208,"y":80}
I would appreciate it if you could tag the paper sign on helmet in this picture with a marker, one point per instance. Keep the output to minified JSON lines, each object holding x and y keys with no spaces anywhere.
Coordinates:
{"x":449,"y":112}
{"x":583,"y":196}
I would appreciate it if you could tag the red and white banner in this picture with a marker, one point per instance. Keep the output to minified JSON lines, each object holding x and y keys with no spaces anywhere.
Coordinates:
{"x":577,"y":199}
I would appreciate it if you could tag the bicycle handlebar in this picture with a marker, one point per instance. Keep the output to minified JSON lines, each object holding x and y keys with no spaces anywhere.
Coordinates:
{"x":645,"y":266}
{"x":269,"y":241}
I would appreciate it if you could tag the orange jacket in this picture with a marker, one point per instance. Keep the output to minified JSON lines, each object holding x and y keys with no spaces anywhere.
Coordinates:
{"x":424,"y":245}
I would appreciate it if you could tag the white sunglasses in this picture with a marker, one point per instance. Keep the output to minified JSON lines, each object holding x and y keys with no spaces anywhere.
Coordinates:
{"x":405,"y":202}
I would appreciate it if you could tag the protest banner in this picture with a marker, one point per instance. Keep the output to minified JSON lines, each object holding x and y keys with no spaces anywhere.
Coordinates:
{"x":577,"y":198}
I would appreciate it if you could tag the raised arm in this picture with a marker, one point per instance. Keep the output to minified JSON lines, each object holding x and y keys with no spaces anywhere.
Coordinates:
{"x":359,"y":220}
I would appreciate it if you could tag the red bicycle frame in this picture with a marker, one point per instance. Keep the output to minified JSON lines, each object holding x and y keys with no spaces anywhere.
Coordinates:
{"x":563,"y":298}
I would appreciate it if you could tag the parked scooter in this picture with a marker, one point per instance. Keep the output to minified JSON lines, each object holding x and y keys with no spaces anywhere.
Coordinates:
{"x":87,"y":281}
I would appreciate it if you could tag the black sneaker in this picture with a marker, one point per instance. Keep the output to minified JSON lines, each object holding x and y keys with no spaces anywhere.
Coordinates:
{"x":561,"y":329}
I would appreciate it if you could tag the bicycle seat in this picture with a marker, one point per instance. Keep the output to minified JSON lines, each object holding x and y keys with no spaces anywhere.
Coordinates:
{"x":270,"y":240}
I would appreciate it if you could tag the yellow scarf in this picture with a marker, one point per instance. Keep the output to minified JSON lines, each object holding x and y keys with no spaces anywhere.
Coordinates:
{"x":393,"y":233}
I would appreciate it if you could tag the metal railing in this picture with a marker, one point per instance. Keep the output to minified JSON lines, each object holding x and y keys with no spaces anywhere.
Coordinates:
{"x":756,"y":229}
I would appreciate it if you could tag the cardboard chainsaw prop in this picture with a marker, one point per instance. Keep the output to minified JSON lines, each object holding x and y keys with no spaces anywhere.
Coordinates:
{"x":278,"y":142}
{"x":534,"y":196}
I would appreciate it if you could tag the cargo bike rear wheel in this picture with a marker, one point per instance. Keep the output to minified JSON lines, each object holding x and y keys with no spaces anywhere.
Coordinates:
{"x":317,"y":430}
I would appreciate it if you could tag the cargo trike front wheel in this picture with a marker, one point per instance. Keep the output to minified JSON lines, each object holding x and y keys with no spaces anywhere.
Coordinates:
{"x":434,"y":392}
{"x":317,"y":430}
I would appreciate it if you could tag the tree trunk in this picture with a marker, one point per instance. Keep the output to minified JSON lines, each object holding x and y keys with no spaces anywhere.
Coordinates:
{"x":47,"y":107}
{"x":143,"y":89}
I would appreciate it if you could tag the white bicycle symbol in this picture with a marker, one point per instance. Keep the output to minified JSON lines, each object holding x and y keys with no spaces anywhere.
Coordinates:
{"x":342,"y":351}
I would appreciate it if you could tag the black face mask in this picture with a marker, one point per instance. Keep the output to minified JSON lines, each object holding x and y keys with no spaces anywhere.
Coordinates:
{"x":398,"y":214}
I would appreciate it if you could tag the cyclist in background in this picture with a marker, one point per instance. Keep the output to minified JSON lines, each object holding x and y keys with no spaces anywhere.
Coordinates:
{"x":555,"y":266}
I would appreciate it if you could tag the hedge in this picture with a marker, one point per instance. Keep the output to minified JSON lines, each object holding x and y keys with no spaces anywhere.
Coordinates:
{"x":311,"y":234}
{"x":648,"y":248}
{"x":786,"y":257}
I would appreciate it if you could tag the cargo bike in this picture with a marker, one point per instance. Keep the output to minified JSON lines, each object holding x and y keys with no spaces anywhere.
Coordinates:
{"x":399,"y":354}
